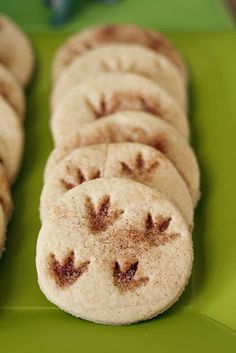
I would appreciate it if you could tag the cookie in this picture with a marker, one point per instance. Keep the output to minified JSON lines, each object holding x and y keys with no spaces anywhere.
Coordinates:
{"x":113,"y":244}
{"x":111,"y":34}
{"x":11,"y":140}
{"x":5,"y":194}
{"x":126,"y":58}
{"x":2,"y":229}
{"x":108,"y":93}
{"x":80,"y":165}
{"x":16,"y":52}
{"x":11,"y":90}
{"x":142,"y":127}
{"x":128,"y":160}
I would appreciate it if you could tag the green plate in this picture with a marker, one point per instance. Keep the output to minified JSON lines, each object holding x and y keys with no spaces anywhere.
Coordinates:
{"x":205,"y":317}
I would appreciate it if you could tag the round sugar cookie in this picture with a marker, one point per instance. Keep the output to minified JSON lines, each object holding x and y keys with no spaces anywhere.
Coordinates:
{"x":108,"y":93}
{"x":141,"y":127}
{"x":11,"y":90}
{"x":114,"y":251}
{"x":16,"y":52}
{"x":11,"y":140}
{"x":128,"y":160}
{"x":125,"y":58}
{"x":91,"y":38}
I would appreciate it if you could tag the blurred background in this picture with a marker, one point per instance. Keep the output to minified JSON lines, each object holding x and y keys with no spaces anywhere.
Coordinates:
{"x":167,"y":15}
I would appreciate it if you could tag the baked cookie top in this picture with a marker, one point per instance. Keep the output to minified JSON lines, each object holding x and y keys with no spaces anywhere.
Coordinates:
{"x":115,"y":33}
{"x":12,"y":92}
{"x":114,"y":251}
{"x":125,"y":58}
{"x":127,"y":160}
{"x":107,"y":93}
{"x":11,"y":140}
{"x":16,"y":52}
{"x":141,"y":127}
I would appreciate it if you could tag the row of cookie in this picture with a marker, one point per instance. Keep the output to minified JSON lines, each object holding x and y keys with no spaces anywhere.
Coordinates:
{"x":117,"y":249}
{"x":126,"y":77}
{"x":16,"y":64}
{"x":126,"y":51}
{"x":114,"y":68}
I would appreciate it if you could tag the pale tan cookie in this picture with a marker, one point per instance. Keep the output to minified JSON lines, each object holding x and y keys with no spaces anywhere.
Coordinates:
{"x":114,"y":251}
{"x":80,"y":165}
{"x":16,"y":52}
{"x":5,"y":193}
{"x":111,"y":34}
{"x":2,"y":229}
{"x":11,"y":90}
{"x":126,"y":58}
{"x":11,"y":140}
{"x":108,"y":93}
{"x":128,"y":160}
{"x":137,"y":127}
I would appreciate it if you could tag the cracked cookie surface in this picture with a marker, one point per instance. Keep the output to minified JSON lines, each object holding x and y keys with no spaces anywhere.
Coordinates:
{"x":127,"y":160}
{"x":138,"y":127}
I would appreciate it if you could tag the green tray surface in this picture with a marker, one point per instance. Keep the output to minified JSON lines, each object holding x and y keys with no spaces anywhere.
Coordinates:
{"x":166,"y":14}
{"x":205,"y":316}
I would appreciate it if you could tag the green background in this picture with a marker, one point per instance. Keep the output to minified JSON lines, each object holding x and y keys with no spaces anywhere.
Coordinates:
{"x":165,"y":14}
{"x":205,"y":317}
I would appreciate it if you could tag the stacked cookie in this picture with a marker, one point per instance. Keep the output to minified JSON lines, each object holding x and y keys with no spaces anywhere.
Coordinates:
{"x":122,"y":182}
{"x":16,"y":65}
